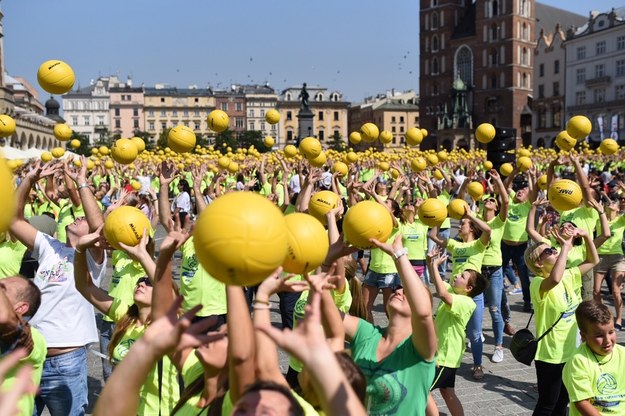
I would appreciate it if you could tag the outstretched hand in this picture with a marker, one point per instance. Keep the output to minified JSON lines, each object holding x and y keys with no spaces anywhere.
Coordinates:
{"x":278,"y":282}
{"x":389,"y":248}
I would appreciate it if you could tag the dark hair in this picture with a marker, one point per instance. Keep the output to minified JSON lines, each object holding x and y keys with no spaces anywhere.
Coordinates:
{"x":355,"y":377}
{"x":185,"y":186}
{"x":479,"y":283}
{"x":395,"y":208}
{"x":590,"y":313}
{"x":31,"y":295}
{"x":295,"y":409}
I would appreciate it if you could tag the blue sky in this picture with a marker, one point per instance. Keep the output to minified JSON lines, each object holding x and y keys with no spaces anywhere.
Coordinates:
{"x":359,"y":47}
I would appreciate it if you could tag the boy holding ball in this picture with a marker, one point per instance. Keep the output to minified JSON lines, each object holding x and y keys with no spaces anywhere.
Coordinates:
{"x":594,"y":376}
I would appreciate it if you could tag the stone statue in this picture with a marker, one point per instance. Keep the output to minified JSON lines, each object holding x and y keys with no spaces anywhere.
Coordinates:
{"x":303,"y":95}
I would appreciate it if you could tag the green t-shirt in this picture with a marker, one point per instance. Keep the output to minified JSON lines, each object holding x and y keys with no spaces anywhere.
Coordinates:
{"x":492,"y":255}
{"x":199,"y":287}
{"x":582,"y":217}
{"x":126,"y":272}
{"x":559,"y":344}
{"x":343,"y":302}
{"x":415,"y":238}
{"x":11,"y":254}
{"x":614,"y":244}
{"x":451,"y":323}
{"x":149,"y":402}
{"x":576,"y":255}
{"x":381,"y":262}
{"x":191,"y":370}
{"x":514,"y":229}
{"x":446,"y":198}
{"x":598,"y":379}
{"x":366,"y":174}
{"x":36,"y":358}
{"x":399,"y":384}
{"x":465,"y":256}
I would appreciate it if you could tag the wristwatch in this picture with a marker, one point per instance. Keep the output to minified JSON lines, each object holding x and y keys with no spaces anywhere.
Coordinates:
{"x":399,"y":253}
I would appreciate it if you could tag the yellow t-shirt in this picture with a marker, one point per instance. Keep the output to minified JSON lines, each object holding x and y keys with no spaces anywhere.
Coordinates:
{"x":192,"y":370}
{"x":465,"y":256}
{"x":36,"y":358}
{"x":11,"y":254}
{"x":126,"y":272}
{"x":559,"y":345}
{"x":599,"y":379}
{"x":514,"y":229}
{"x":149,"y":402}
{"x":492,"y":255}
{"x":613,"y":245}
{"x":446,"y":198}
{"x":380,"y":261}
{"x":415,"y":239}
{"x":451,"y":323}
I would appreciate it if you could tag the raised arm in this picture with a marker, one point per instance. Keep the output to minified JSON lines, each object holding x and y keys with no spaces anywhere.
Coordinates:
{"x":592,"y":257}
{"x":555,"y":276}
{"x":198,"y":175}
{"x":434,"y":259}
{"x":167,"y":175}
{"x":605,"y":224}
{"x":241,"y":345}
{"x":582,"y":179}
{"x":20,"y":228}
{"x":423,"y":332}
{"x":481,"y":225}
{"x":501,"y":190}
{"x":440,"y":241}
{"x":98,"y":297}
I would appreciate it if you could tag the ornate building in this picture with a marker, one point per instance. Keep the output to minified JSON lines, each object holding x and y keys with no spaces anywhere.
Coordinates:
{"x":488,"y":46}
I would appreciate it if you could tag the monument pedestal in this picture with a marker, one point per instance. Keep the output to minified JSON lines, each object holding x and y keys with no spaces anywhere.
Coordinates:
{"x":306,"y":124}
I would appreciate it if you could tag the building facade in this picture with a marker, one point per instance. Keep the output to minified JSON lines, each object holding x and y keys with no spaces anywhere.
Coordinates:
{"x":258,"y":100}
{"x":393,"y":111}
{"x":126,"y":110}
{"x":549,"y":72}
{"x":232,"y":101}
{"x":329,"y":109}
{"x":595,"y":74}
{"x":166,"y":107}
{"x":488,"y":45}
{"x":86,"y":109}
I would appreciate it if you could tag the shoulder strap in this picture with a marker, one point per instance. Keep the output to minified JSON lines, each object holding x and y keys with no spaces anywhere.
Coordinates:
{"x":160,"y":384}
{"x":550,"y":328}
{"x":529,"y":320}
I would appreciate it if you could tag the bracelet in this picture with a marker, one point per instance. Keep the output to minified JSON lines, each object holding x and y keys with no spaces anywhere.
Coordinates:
{"x":262,"y":307}
{"x":155,"y":199}
{"x":78,"y":251}
{"x":82,"y":185}
{"x":264,"y":302}
{"x":602,"y":212}
{"x":399,"y":253}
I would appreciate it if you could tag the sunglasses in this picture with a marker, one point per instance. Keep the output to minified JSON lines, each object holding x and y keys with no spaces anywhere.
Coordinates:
{"x":145,"y":280}
{"x":548,"y":251}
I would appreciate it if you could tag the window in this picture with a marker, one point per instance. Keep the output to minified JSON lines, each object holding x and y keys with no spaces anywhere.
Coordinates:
{"x":620,"y":92}
{"x":599,"y":70}
{"x":224,"y":106}
{"x":273,"y":127}
{"x":196,"y":100}
{"x":252,"y":125}
{"x":434,"y":66}
{"x":434,"y":43}
{"x":525,"y":32}
{"x":239,"y":106}
{"x":117,"y":112}
{"x":541,"y":91}
{"x":262,"y":113}
{"x":135,"y":124}
{"x":135,"y":112}
{"x":556,"y":114}
{"x":262,"y":126}
{"x":151,"y":113}
{"x":401,"y":129}
{"x":620,"y":43}
{"x":320,"y":115}
{"x":118,"y":124}
{"x":321,"y":135}
{"x":289,"y":115}
{"x":525,"y":57}
{"x":74,"y":121}
{"x":580,"y":75}
{"x":464,"y":64}
{"x":151,"y":125}
{"x":434,"y":21}
{"x":393,"y":129}
{"x":494,"y":32}
{"x":493,"y":81}
{"x":556,"y":88}
{"x":336,"y":116}
{"x":493,"y":57}
{"x":495,"y":8}
{"x":541,"y":70}
{"x":163,"y":113}
{"x":163,"y":125}
{"x":620,"y":68}
{"x":581,"y":52}
{"x":198,"y":124}
{"x":87,"y":120}
{"x":556,"y":66}
{"x":600,"y":47}
{"x":524,"y":8}
{"x":542,"y":118}
{"x":185,"y":113}
{"x":580,"y":97}
{"x":599,"y":94}
{"x":238,"y":122}
{"x":289,"y":135}
{"x":393,"y":119}
{"x":100,"y":120}
{"x":416,"y":120}
{"x":162,"y":99}
{"x":174,"y":113}
{"x":401,"y":119}
{"x":196,"y":113}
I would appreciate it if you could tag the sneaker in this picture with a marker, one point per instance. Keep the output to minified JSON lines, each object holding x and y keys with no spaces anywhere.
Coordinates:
{"x":478,"y":372}
{"x":497,"y":355}
{"x":509,"y":329}
{"x":618,"y":327}
{"x":516,"y":291}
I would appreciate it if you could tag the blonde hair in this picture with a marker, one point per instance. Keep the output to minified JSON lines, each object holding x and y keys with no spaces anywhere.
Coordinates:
{"x":532,"y":256}
{"x":358,"y":307}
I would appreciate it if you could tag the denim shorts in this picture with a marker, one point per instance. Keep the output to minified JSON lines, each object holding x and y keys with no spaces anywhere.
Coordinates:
{"x":382,"y":280}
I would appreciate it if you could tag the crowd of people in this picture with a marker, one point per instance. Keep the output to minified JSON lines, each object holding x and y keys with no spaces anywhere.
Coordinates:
{"x":178,"y":341}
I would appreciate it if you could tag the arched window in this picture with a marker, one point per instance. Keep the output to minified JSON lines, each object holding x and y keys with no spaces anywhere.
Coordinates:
{"x":494,"y":61}
{"x":434,"y":43}
{"x":524,"y":57}
{"x":288,"y":96}
{"x":524,"y":33}
{"x":434,"y":66}
{"x":494,"y":32}
{"x":434,"y":21}
{"x":464,"y":65}
{"x":495,"y":7}
{"x":493,"y":81}
{"x":524,"y":82}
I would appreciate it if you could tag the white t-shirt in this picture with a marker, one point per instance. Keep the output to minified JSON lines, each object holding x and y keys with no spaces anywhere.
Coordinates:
{"x":65,"y":318}
{"x":182,"y":202}
{"x":294,"y":184}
